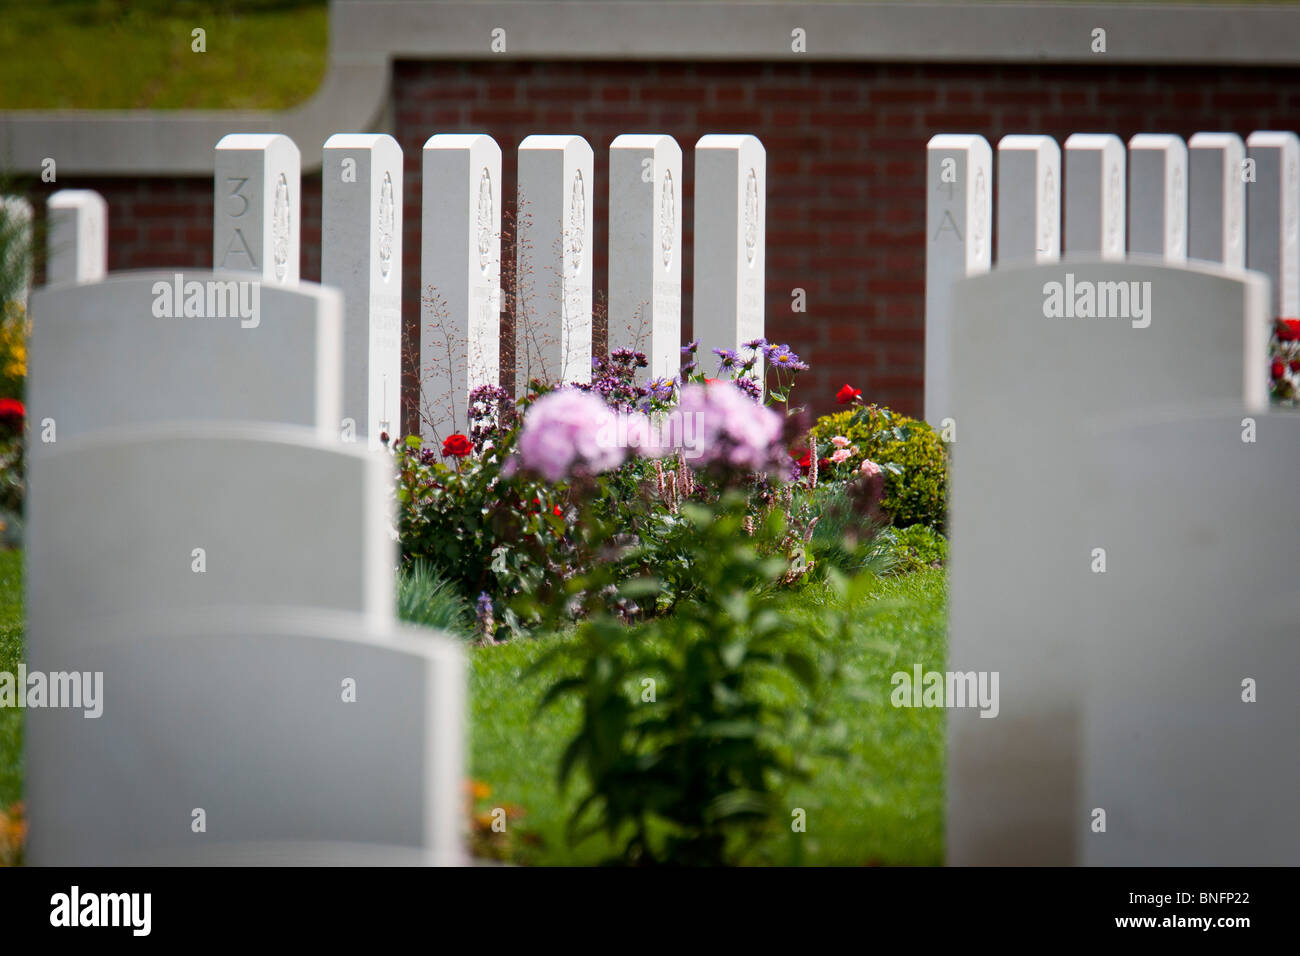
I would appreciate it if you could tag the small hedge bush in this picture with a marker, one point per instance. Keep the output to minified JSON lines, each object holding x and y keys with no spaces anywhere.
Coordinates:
{"x":913,"y":457}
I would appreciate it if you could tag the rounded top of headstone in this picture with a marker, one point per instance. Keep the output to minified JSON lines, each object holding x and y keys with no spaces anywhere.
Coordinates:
{"x":1282,"y":139}
{"x":1157,"y":141}
{"x":565,"y":142}
{"x":730,"y":141}
{"x":461,"y":141}
{"x":1214,"y":141}
{"x":257,"y":141}
{"x":643,"y":141}
{"x":1032,"y":142}
{"x":1102,"y":141}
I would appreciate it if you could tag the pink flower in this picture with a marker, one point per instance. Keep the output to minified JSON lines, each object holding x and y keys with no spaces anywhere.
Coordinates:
{"x":841,"y":455}
{"x":869,"y":468}
{"x":839,"y":441}
{"x":730,"y":428}
{"x":567,"y":432}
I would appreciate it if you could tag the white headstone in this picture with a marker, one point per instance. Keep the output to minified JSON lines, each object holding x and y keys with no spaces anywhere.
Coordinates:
{"x":959,"y":228}
{"x":16,"y":233}
{"x":1216,"y":216}
{"x":1273,"y":216}
{"x":555,"y":249}
{"x":1192,"y":766}
{"x":1029,"y":200}
{"x":730,"y":242}
{"x":460,"y":278}
{"x":258,"y":206}
{"x":198,"y":515}
{"x":361,"y":255}
{"x":302,"y":731}
{"x":1157,"y":202}
{"x":144,"y":347}
{"x":645,"y":249}
{"x":1029,"y":384}
{"x":77,"y":238}
{"x":1094,"y":195}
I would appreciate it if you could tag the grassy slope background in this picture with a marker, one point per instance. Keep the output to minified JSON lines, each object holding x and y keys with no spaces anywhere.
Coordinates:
{"x":136,"y":54}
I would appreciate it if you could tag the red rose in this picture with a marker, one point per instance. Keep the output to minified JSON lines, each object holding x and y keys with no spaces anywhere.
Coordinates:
{"x":823,"y":463}
{"x":457,"y":445}
{"x":847,"y":394}
{"x":12,"y":414}
{"x":1288,"y":330}
{"x":1295,"y":365}
{"x":802,"y":459}
{"x":559,"y":512}
{"x":1278,"y":368}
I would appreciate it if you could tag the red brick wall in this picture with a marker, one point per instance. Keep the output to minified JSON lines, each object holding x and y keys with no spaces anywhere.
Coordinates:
{"x":845,"y":147}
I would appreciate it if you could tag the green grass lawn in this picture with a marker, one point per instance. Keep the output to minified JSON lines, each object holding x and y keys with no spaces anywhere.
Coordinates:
{"x":136,"y":54}
{"x":883,"y":805}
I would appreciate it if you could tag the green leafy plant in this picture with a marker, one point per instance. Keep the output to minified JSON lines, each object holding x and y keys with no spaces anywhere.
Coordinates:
{"x":913,"y":548}
{"x":693,"y":724}
{"x":910,"y":453}
{"x":426,"y":598}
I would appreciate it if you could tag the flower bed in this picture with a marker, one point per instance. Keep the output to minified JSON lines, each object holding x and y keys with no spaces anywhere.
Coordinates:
{"x":672,"y":533}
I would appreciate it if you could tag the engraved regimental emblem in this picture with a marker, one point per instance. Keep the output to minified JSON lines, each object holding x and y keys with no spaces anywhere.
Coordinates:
{"x":751,"y":217}
{"x":1114,"y":196}
{"x":1289,"y":235}
{"x":577,"y":224}
{"x":1292,"y":187}
{"x":667,"y":218}
{"x":979,"y":225}
{"x":386,"y":226}
{"x":484,"y":224}
{"x":1047,"y":216}
{"x":1176,"y":207}
{"x":280,"y":229}
{"x":1235,"y":203}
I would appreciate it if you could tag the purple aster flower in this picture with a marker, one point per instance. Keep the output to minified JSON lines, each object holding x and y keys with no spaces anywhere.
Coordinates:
{"x":749,"y":386}
{"x":660,"y":389}
{"x":755,"y":344}
{"x":726,"y":358}
{"x":784,"y":358}
{"x":689,"y":349}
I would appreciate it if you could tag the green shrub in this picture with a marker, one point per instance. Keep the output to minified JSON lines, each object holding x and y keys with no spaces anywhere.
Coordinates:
{"x":913,"y":457}
{"x":694,"y":724}
{"x":914,"y":548}
{"x":427,"y":599}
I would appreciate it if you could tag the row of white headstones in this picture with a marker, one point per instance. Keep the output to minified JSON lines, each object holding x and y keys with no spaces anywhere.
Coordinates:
{"x":198,"y":534}
{"x":256,"y":229}
{"x":1124,"y":542}
{"x":1214,"y":199}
